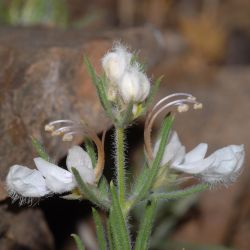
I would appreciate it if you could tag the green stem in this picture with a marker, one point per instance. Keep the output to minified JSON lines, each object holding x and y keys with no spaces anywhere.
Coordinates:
{"x":120,"y":164}
{"x":181,"y":193}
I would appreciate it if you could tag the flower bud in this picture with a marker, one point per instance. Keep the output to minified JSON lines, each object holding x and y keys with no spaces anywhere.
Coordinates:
{"x":134,"y":86}
{"x":116,"y":62}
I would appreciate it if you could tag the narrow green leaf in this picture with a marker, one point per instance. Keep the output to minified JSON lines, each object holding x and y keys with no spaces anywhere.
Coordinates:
{"x":99,"y":83}
{"x":40,"y":149}
{"x":180,"y":193}
{"x":118,"y":223}
{"x":99,"y":230}
{"x":110,"y":237}
{"x":90,"y":192}
{"x":146,"y":226}
{"x":139,"y":182}
{"x":91,"y":151}
{"x":164,"y":134}
{"x":115,"y":233}
{"x":153,"y":92}
{"x":104,"y":187}
{"x":78,"y":242}
{"x":91,"y":70}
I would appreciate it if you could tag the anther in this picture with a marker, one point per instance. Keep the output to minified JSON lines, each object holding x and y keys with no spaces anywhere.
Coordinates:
{"x":67,"y":137}
{"x":193,"y":98}
{"x":183,"y":108}
{"x":56,"y":133}
{"x":198,"y":105}
{"x":49,"y":128}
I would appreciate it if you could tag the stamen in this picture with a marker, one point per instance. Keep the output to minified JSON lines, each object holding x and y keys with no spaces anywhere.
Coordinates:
{"x":56,"y":133}
{"x":183,"y":108}
{"x":49,"y":128}
{"x":198,"y":105}
{"x":189,"y":96}
{"x":68,"y":128}
{"x":163,"y":100}
{"x":67,"y":137}
{"x":61,"y":121}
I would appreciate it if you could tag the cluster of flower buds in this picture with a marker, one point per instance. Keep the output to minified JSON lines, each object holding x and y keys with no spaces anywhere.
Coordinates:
{"x":125,"y":76}
{"x":24,"y":183}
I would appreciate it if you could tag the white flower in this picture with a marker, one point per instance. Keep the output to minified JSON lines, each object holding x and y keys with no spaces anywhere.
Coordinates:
{"x":49,"y":178}
{"x":25,"y":182}
{"x":134,"y":86}
{"x":80,"y":160}
{"x":116,"y":62}
{"x":223,"y":165}
{"x":57,"y":179}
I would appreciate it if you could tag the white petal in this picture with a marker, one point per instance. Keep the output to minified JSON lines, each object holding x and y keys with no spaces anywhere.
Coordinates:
{"x":26,"y":182}
{"x":116,"y":62}
{"x":174,"y":151}
{"x":57,"y":179}
{"x":239,"y":152}
{"x":80,"y":160}
{"x":227,"y":165}
{"x":179,"y":156}
{"x":144,"y":86}
{"x":129,"y":86}
{"x":88,"y":175}
{"x":228,"y":159}
{"x":197,"y":154}
{"x":195,"y":167}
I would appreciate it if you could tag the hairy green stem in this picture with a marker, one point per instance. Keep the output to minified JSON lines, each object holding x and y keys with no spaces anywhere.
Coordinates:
{"x":120,"y":164}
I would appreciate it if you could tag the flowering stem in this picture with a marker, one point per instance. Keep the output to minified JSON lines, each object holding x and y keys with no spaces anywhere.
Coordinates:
{"x":120,"y":164}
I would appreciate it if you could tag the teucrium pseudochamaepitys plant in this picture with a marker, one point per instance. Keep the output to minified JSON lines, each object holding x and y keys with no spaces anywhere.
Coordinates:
{"x":125,"y":93}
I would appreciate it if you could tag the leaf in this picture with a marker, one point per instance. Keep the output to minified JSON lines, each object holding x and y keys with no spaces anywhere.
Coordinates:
{"x":164,"y":134}
{"x":110,"y":236}
{"x":40,"y":149}
{"x":99,"y":83}
{"x":91,"y":151}
{"x":139,"y":182}
{"x":146,"y":226}
{"x":99,"y":230}
{"x":91,"y":70}
{"x":104,"y":187}
{"x":180,"y":193}
{"x":78,"y":242}
{"x":90,"y":192}
{"x":118,"y":223}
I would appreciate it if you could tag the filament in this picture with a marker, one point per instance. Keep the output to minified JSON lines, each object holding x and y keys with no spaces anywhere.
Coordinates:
{"x":182,"y":104}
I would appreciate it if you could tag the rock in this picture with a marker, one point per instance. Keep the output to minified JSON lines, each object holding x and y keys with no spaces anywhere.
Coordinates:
{"x":43,"y":78}
{"x":24,"y":230}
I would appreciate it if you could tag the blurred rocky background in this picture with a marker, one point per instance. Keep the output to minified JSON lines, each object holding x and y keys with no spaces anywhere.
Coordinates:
{"x":201,"y":46}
